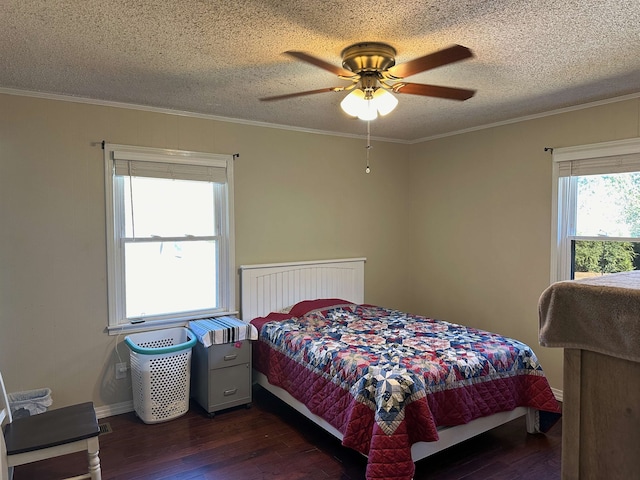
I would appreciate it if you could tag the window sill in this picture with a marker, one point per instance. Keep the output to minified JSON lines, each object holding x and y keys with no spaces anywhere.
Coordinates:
{"x":145,"y":326}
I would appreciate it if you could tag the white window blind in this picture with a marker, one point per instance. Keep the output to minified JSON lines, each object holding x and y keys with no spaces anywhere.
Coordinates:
{"x":598,"y":158}
{"x":597,"y":166}
{"x":182,"y":167}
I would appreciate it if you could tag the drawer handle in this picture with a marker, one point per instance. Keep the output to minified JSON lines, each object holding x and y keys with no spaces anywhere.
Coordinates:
{"x":230,"y":392}
{"x":231,"y":356}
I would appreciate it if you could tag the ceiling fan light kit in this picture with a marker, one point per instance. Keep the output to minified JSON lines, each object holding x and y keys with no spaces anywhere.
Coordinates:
{"x":372,"y":69}
{"x":367,"y":104}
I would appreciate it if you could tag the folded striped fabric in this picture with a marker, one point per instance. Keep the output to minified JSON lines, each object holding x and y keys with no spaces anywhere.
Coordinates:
{"x":217,"y":330}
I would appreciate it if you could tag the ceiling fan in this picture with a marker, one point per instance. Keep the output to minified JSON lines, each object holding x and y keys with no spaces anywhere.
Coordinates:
{"x":372,"y":70}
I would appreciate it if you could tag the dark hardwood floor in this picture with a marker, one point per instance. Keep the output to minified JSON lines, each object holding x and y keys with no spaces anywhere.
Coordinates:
{"x":272,"y":441}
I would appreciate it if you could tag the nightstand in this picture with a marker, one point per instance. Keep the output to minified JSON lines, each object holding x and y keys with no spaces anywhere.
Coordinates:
{"x":221,"y":375}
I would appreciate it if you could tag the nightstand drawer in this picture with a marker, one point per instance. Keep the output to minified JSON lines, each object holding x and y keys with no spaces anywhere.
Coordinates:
{"x":229,"y":354}
{"x":229,"y":387}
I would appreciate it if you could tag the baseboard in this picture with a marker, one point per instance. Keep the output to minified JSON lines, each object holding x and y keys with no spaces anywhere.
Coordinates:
{"x":114,"y":409}
{"x":126,"y":407}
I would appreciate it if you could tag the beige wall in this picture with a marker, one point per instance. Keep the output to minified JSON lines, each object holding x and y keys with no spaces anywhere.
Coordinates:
{"x":456,"y":228}
{"x":480,"y":216}
{"x":297,"y":196}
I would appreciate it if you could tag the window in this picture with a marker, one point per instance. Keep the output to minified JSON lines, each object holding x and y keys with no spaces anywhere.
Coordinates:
{"x":169,"y":236}
{"x":596,"y":224}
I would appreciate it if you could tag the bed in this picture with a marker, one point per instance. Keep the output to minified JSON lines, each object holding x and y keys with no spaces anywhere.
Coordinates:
{"x":363,"y":372}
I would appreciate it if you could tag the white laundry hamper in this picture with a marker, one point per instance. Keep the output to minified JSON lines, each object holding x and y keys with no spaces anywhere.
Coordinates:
{"x":161,"y":372}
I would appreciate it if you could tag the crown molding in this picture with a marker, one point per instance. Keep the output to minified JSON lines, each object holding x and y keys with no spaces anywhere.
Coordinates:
{"x":183,"y":113}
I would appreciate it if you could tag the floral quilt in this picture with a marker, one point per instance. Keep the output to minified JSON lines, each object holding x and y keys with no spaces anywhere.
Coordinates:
{"x":386,"y":379}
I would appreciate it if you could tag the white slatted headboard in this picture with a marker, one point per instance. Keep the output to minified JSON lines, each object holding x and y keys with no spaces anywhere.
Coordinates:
{"x":270,"y":287}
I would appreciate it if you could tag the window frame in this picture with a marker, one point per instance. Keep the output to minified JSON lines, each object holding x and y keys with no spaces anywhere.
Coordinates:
{"x":569,"y":163}
{"x":115,"y":231}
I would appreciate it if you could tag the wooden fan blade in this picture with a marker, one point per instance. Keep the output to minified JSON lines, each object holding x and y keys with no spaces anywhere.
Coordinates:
{"x":305,"y":57}
{"x":301,"y":94}
{"x":432,"y":60}
{"x":433,"y":91}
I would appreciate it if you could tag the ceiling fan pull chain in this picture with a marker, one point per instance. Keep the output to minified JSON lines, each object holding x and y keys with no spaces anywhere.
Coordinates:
{"x":368,"y":169}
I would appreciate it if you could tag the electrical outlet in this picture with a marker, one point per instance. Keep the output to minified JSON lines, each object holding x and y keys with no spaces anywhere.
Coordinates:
{"x":121,"y":370}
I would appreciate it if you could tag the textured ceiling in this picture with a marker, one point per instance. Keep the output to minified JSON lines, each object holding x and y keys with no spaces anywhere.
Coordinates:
{"x":218,"y":57}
